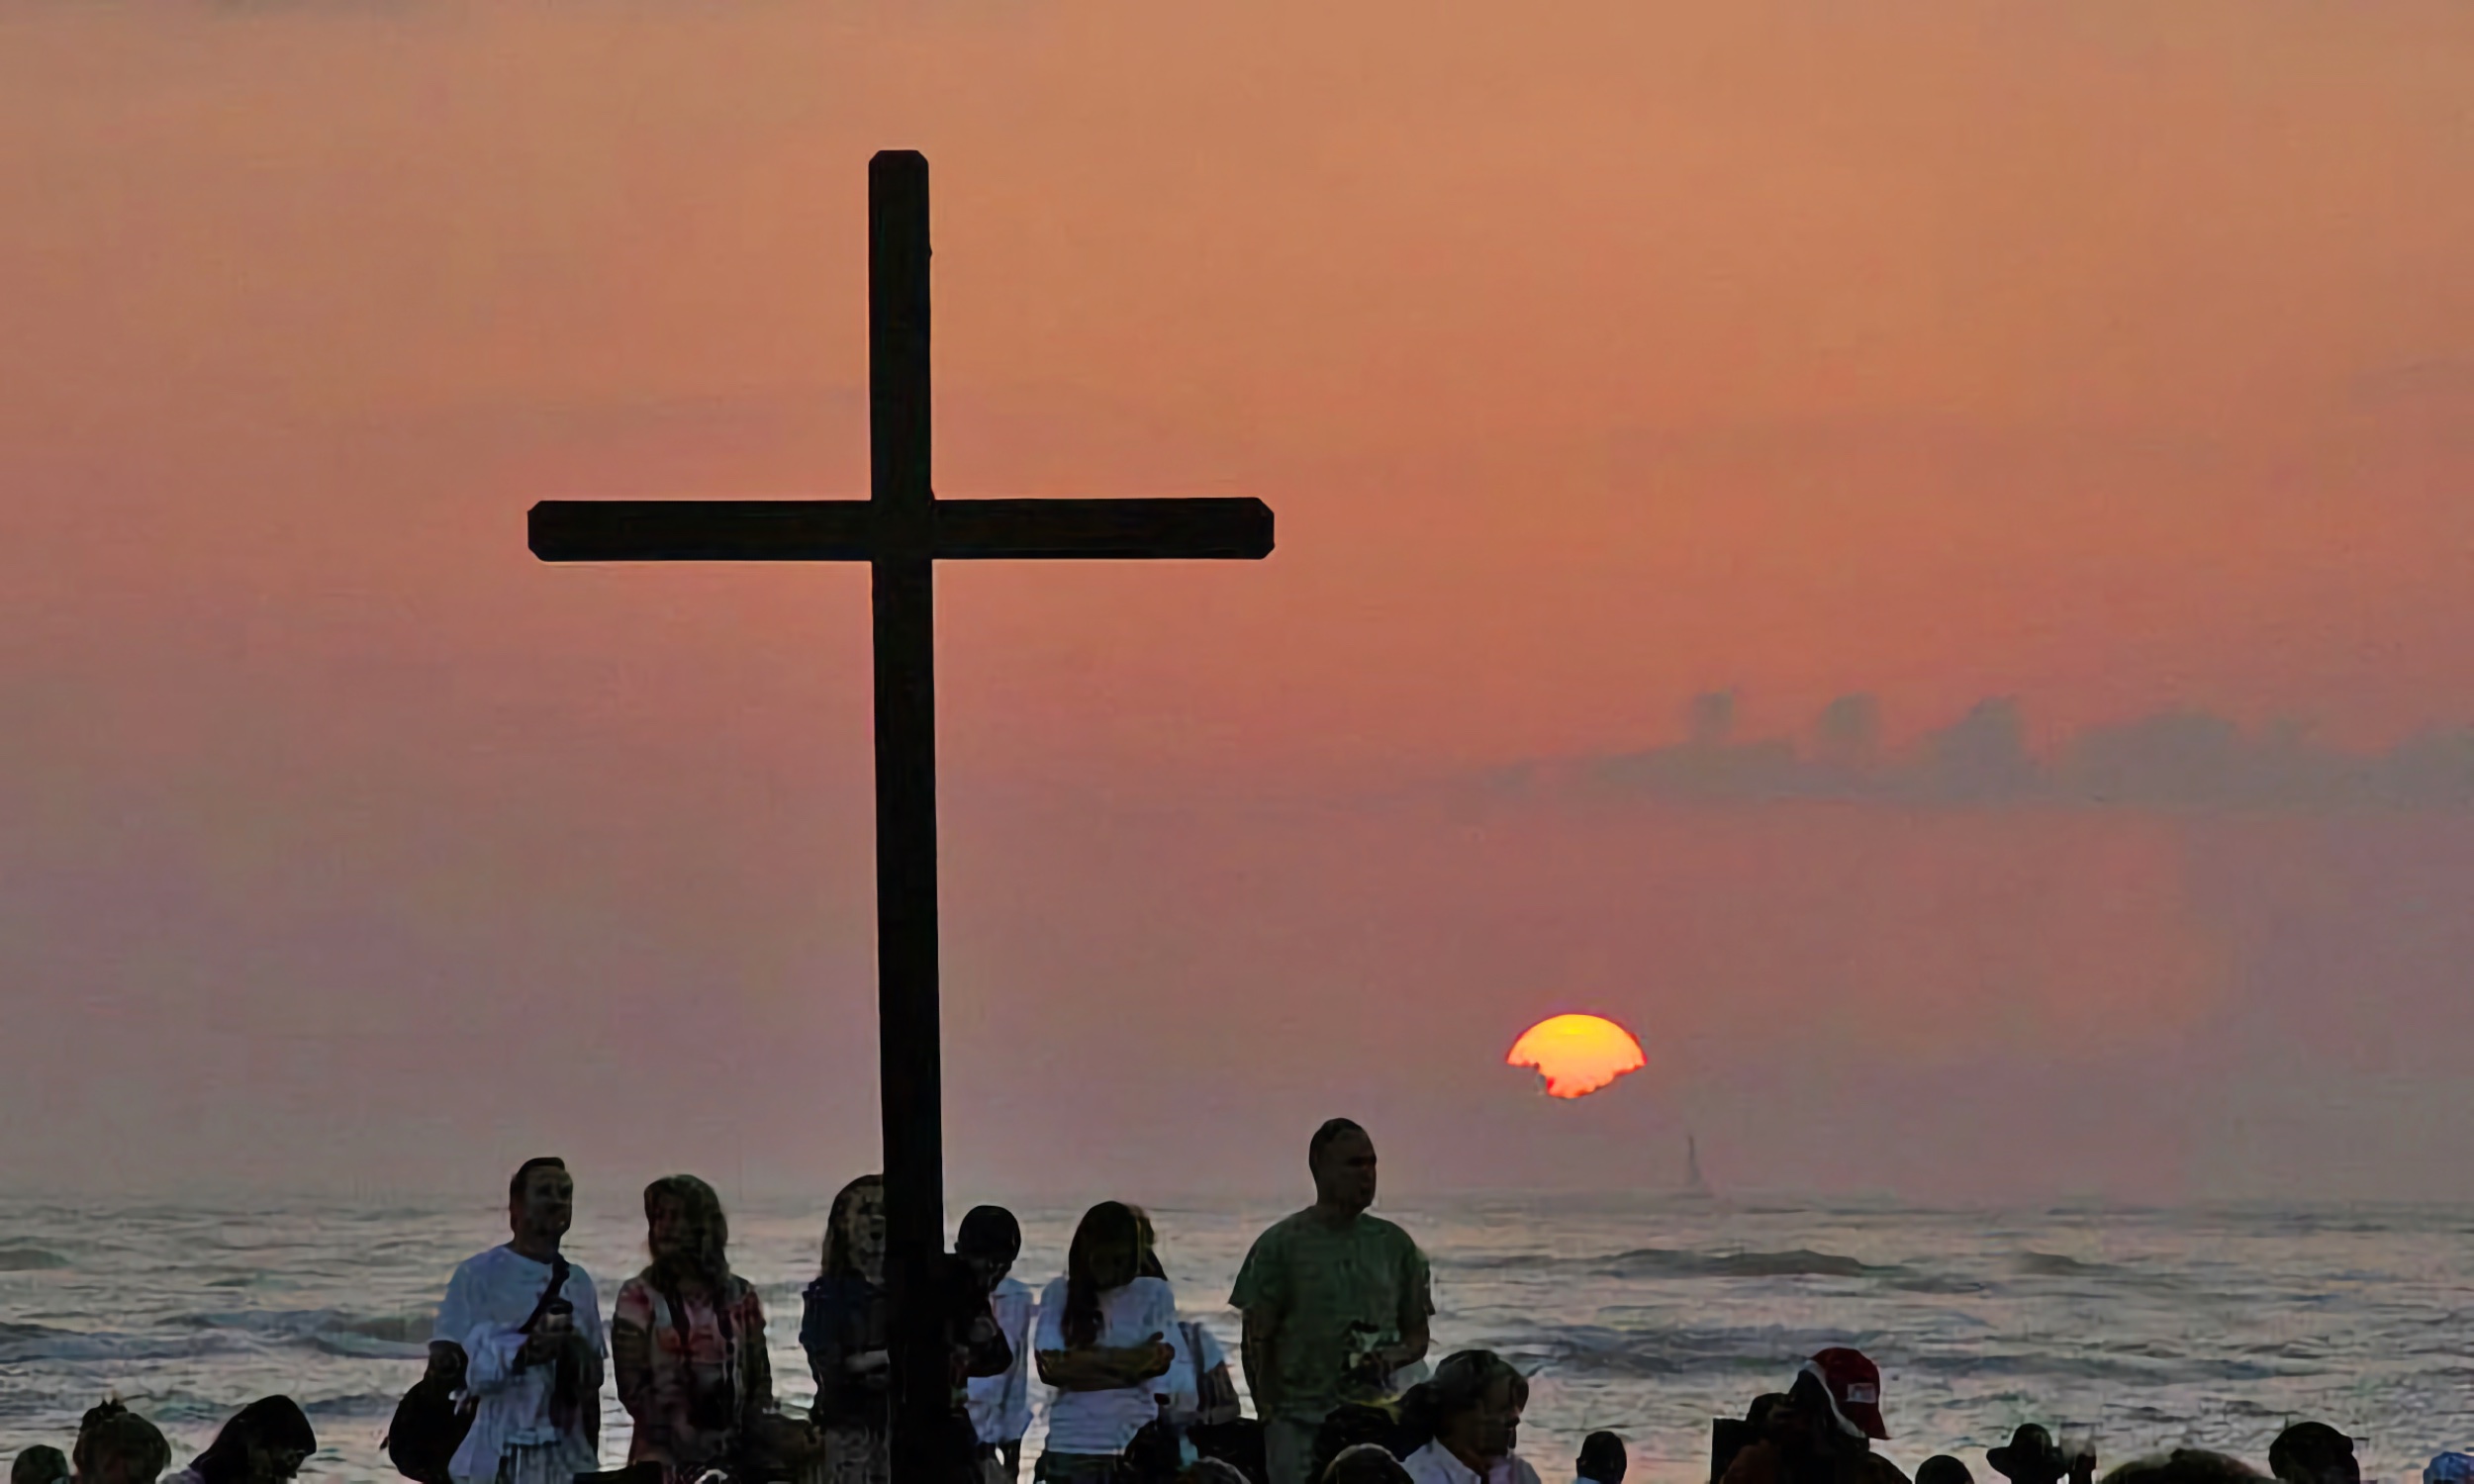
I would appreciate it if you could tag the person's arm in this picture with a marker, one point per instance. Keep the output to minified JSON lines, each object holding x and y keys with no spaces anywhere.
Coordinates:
{"x":1104,"y":1367}
{"x":1261,"y":1330}
{"x":988,"y":1353}
{"x":755,"y":1362}
{"x":631,"y":1357}
{"x":1417,"y":1308}
{"x":1261,"y":1299}
{"x":446,"y":1335}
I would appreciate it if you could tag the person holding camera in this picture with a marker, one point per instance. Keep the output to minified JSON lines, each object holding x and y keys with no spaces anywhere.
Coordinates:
{"x":518,"y":1338}
{"x":688,"y":1339}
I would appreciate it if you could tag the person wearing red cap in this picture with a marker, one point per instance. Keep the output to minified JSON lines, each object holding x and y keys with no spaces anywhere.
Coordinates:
{"x":1823,"y":1432}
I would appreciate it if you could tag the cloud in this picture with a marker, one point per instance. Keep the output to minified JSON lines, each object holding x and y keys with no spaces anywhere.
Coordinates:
{"x":2170,"y":761}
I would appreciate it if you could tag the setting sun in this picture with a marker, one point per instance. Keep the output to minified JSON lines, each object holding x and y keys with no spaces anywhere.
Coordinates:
{"x":1577,"y":1054}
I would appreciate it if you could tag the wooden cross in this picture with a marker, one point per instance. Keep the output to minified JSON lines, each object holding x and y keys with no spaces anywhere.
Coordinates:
{"x":902,"y":530}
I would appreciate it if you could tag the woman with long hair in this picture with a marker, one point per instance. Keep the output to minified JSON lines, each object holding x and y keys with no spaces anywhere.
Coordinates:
{"x":1101,"y":1342}
{"x":264,"y":1443}
{"x":844,"y":1333}
{"x":688,"y":1338}
{"x":1468,"y":1419}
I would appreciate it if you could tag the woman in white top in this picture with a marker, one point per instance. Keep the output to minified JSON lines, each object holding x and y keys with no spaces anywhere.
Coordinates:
{"x":1470,"y":1414}
{"x":1101,"y":1342}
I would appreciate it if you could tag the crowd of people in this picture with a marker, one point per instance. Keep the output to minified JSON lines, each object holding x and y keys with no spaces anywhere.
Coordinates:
{"x":1334,"y":1302}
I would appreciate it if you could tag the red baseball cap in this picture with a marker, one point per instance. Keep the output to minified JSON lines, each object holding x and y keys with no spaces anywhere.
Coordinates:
{"x":1854,"y":1384}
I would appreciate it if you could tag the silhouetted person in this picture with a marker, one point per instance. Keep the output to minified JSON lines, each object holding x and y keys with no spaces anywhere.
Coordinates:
{"x":2449,"y":1468}
{"x":41,"y":1465}
{"x":1102,"y":1343}
{"x":1942,"y":1468}
{"x":2313,"y":1452}
{"x":264,"y":1443}
{"x":1356,"y":1425}
{"x":1822,"y":1431}
{"x":2033,"y":1458}
{"x":844,"y":1333}
{"x":2185,"y":1466}
{"x":1601,"y":1461}
{"x":989,"y":1239}
{"x":1334,"y":1301}
{"x":1468,"y":1419}
{"x":1365,"y":1463}
{"x":687,"y":1338}
{"x":521,"y":1326}
{"x":116,"y":1446}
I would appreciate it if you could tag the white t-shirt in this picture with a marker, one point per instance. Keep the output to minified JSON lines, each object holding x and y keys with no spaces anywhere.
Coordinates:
{"x":1434,"y":1464}
{"x":1000,"y":1406}
{"x":488,"y":1298}
{"x":1104,"y":1422}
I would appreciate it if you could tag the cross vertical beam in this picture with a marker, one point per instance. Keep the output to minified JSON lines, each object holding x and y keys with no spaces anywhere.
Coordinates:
{"x":910,"y":1071}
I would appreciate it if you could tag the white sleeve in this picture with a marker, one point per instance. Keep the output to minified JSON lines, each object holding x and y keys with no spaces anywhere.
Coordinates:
{"x":588,"y":1307}
{"x":1051,"y":1327}
{"x":1213,"y":1358}
{"x":456,"y":1310}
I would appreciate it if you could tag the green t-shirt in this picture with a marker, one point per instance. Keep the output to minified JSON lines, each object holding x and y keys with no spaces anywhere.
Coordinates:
{"x":1335,"y":1292}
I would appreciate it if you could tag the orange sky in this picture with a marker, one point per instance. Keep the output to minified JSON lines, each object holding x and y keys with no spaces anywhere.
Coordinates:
{"x":2113,"y":356}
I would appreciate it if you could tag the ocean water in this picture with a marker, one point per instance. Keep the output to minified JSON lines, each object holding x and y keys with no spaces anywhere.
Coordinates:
{"x":2211,"y":1328}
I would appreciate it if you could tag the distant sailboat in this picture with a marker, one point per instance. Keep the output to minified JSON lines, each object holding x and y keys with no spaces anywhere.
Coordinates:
{"x":1694,"y":1186}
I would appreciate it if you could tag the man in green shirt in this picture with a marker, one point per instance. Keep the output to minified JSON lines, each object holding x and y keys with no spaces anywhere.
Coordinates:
{"x":1334,"y":1302}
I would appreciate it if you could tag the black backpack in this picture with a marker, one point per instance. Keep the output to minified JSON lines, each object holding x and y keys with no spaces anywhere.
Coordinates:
{"x":427,"y":1429}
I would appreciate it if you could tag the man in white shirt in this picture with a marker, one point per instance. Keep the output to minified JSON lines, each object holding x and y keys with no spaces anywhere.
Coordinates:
{"x":989,"y":1239}
{"x":521,"y":1329}
{"x":1474,"y":1405}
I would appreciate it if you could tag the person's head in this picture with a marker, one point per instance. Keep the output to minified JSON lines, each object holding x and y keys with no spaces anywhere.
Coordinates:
{"x":685,"y":1230}
{"x":2313,"y":1452}
{"x":265,"y":1443}
{"x":1942,"y":1468}
{"x":541,"y":1200}
{"x":1348,"y":1425}
{"x":1341,"y":1157}
{"x":1108,"y":1246}
{"x":988,"y":1238}
{"x":2185,"y":1466}
{"x":1212,"y":1471}
{"x":1106,"y":1255}
{"x":116,"y":1446}
{"x":1767,"y":1410}
{"x":1475,"y":1403}
{"x":1836,"y":1402}
{"x":1602,"y":1458}
{"x":40,"y":1464}
{"x":2449,"y":1468}
{"x":1365,"y":1463}
{"x":854,"y":1233}
{"x":2032,"y":1458}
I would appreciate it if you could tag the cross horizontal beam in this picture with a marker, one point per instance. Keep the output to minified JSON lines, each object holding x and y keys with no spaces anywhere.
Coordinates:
{"x":858,"y":530}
